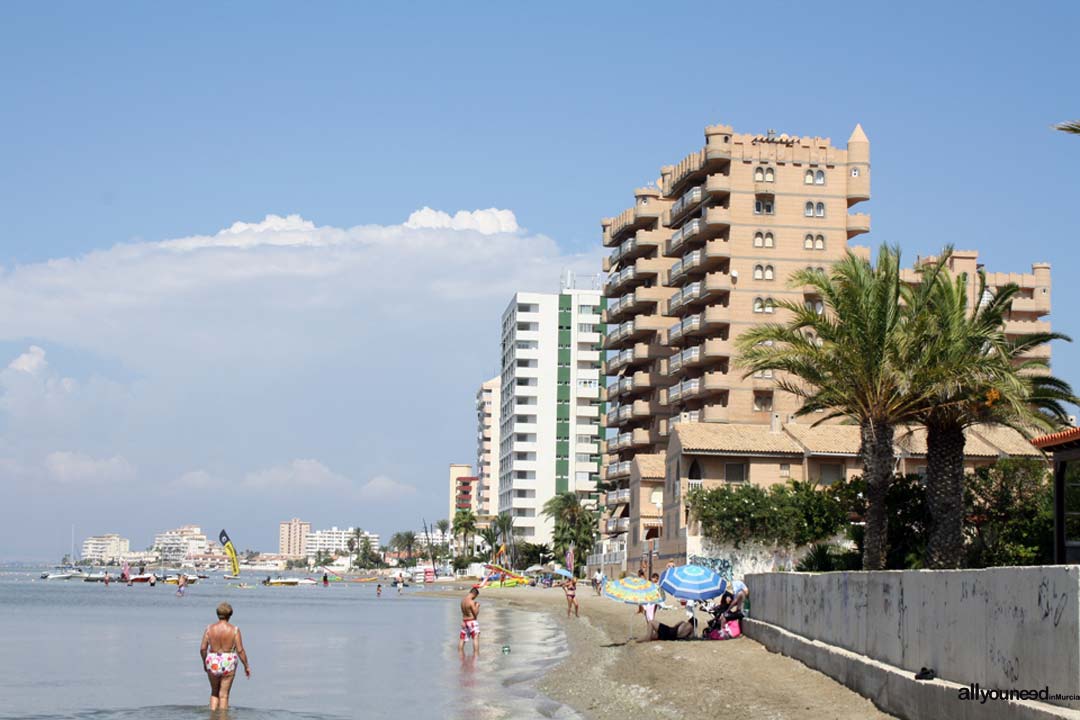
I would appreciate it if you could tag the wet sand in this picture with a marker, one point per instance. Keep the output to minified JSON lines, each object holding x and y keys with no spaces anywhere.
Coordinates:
{"x":611,"y":675}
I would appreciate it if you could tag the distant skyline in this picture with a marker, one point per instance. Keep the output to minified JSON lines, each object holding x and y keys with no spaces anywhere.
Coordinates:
{"x":234,"y":284}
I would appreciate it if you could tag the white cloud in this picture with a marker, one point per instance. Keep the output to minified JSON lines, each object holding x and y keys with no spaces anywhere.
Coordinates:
{"x":303,"y":475}
{"x":30,"y":361}
{"x":72,"y":468}
{"x":488,"y":221}
{"x":195,"y":480}
{"x":383,"y":489}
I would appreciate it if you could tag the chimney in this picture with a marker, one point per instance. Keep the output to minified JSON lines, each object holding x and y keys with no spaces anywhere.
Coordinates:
{"x":774,"y":423}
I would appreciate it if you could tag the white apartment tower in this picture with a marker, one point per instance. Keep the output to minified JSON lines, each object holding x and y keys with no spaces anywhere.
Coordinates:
{"x":550,"y":404}
{"x":487,"y":447}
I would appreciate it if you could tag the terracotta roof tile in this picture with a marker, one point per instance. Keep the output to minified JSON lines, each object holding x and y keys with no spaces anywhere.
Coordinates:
{"x":734,"y":438}
{"x":1058,"y":438}
{"x":826,"y":439}
{"x":651,"y":465}
{"x":1009,"y":441}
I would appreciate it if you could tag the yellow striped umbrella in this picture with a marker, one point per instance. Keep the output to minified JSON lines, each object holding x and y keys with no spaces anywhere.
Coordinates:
{"x":633,"y":591}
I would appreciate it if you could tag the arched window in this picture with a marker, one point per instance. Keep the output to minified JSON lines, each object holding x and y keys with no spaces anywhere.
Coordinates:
{"x":759,"y":174}
{"x":768,"y":207}
{"x":759,"y":272}
{"x":819,"y":242}
{"x":809,"y":177}
{"x":770,"y":175}
{"x":808,"y":241}
{"x":819,"y":307}
{"x":769,"y":272}
{"x":820,"y":210}
{"x":819,"y":177}
{"x":759,"y":240}
{"x":759,"y":305}
{"x":809,"y":211}
{"x":821,"y":270}
{"x":759,"y":207}
{"x":769,"y":305}
{"x":695,"y":471}
{"x":769,"y":240}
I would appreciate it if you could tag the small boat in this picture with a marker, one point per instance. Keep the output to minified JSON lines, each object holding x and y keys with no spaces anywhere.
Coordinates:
{"x":307,"y":581}
{"x":175,"y":579}
{"x":241,"y":586}
{"x":231,"y":577}
{"x":289,"y":582}
{"x":143,"y":578}
{"x":57,"y":576}
{"x":203,"y":576}
{"x":95,"y":577}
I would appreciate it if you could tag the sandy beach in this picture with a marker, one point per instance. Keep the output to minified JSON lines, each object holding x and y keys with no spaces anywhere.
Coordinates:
{"x":611,"y":675}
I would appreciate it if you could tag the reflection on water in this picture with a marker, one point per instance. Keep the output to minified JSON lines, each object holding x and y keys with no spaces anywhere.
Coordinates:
{"x":81,"y":650}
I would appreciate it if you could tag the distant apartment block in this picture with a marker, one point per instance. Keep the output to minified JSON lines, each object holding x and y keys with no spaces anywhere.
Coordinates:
{"x":488,"y":407}
{"x":336,"y":540}
{"x":181,"y":544}
{"x":109,"y":548}
{"x":292,"y":538}
{"x":462,"y":490}
{"x":550,"y":404}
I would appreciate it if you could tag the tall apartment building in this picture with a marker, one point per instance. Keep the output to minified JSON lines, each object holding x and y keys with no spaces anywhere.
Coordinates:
{"x":699,"y":258}
{"x":105,"y":548}
{"x":550,"y":403}
{"x":462,"y":490}
{"x":488,"y":407}
{"x":336,"y":540}
{"x":292,"y":538}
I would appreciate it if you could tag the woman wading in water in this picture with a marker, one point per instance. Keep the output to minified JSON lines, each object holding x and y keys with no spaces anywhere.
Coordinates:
{"x":221,"y":648}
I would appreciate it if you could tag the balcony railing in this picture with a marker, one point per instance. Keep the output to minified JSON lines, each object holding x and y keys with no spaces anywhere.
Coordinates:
{"x":679,"y":359}
{"x":686,"y":416}
{"x":681,"y":235}
{"x":617,"y":279}
{"x":689,"y":198}
{"x":688,"y":262}
{"x":618,"y":469}
{"x":617,"y":525}
{"x":690,"y":324}
{"x":609,"y":558}
{"x":625,"y":248}
{"x":688,"y":294}
{"x":617,"y":497}
{"x":686,"y":387}
{"x":615,"y":362}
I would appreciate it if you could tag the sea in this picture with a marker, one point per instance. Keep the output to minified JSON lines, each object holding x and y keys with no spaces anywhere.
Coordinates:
{"x":84,"y":651}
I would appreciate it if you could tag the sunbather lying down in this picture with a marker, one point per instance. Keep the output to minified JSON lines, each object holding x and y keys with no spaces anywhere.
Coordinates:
{"x":660,"y":631}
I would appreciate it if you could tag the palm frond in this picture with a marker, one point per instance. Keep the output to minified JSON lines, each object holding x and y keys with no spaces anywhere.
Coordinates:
{"x":1072,"y":126}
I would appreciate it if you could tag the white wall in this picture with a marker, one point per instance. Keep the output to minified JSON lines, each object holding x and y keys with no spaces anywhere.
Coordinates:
{"x":738,"y":562}
{"x":1000,"y":627}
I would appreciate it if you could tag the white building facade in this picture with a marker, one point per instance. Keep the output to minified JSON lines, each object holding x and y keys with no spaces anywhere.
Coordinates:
{"x":550,"y":404}
{"x":108,"y":548}
{"x":336,"y":540}
{"x":488,"y":414}
{"x":180,"y":544}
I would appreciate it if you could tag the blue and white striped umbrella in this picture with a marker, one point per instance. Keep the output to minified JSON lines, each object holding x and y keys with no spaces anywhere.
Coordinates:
{"x":693,"y":582}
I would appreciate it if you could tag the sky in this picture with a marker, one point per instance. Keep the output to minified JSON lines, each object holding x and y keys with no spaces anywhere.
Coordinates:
{"x":253,"y":255}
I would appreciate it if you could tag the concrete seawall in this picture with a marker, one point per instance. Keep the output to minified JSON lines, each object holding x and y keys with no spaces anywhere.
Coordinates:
{"x":1007,"y":628}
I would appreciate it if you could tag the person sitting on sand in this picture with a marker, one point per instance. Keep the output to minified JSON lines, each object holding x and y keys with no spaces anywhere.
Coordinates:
{"x":570,"y":588}
{"x":470,"y":624}
{"x":740,"y":594}
{"x":659,"y":631}
{"x":221,"y":647}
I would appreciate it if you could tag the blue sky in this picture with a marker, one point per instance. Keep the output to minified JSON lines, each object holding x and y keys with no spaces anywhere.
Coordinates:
{"x":291,"y":358}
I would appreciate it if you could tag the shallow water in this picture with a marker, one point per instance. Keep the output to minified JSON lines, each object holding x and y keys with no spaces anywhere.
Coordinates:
{"x":81,"y":650}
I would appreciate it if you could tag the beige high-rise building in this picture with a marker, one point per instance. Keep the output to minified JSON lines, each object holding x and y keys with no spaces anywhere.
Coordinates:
{"x":487,"y":447}
{"x":462,"y":490}
{"x":702,"y":256}
{"x":292,"y":538}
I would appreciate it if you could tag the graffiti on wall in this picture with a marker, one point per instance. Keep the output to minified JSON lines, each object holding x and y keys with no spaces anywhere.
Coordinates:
{"x":719,"y":565}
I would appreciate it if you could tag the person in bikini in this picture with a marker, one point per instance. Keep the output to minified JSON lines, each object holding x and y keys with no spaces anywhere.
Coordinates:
{"x":470,"y":625}
{"x":570,"y":588}
{"x":222,"y":646}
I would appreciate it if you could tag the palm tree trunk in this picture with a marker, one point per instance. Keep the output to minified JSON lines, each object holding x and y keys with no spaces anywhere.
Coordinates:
{"x":945,"y":494}
{"x":878,"y":459}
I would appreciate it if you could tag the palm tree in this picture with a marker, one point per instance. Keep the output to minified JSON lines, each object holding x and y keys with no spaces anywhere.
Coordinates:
{"x":465,"y":527}
{"x":975,"y":374}
{"x":1072,"y":126}
{"x":846,"y":360}
{"x":364,"y":552}
{"x":490,"y":536}
{"x":443,"y":526}
{"x":575,"y":524}
{"x":505,"y":525}
{"x":408,"y":542}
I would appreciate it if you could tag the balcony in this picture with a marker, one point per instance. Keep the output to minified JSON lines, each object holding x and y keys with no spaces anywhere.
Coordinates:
{"x":1026,"y":327}
{"x":717,"y":184}
{"x":616,"y":525}
{"x":617,"y":497}
{"x":686,"y":388}
{"x":640,"y":328}
{"x":1039,"y":305}
{"x":638,"y":300}
{"x":686,"y":416}
{"x":718,"y":217}
{"x":617,"y":470}
{"x":715,"y":413}
{"x":608,"y":558}
{"x":617,"y":280}
{"x":857,"y":224}
{"x":645,"y":212}
{"x":681,"y":360}
{"x":682,"y":235}
{"x":640,"y":354}
{"x":689,"y":199}
{"x":619,"y":414}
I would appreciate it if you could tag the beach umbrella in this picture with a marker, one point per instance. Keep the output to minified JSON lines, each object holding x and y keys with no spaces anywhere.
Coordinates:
{"x":564,"y":572}
{"x":693,"y":582}
{"x":633,"y":591}
{"x":534,"y":569}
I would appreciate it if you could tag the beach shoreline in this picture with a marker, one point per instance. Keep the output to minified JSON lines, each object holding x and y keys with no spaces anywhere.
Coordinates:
{"x":608,"y":674}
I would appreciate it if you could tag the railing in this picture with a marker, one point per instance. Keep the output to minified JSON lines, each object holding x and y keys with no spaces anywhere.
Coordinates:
{"x":617,"y":497}
{"x":687,"y":231}
{"x":624,"y":275}
{"x":686,"y":387}
{"x":618,"y":469}
{"x":609,"y":558}
{"x":617,"y":361}
{"x":617,"y":525}
{"x":681,"y":358}
{"x":625,"y":248}
{"x":686,"y":416}
{"x":689,"y":261}
{"x":688,"y":294}
{"x":690,"y":324}
{"x":689,"y":198}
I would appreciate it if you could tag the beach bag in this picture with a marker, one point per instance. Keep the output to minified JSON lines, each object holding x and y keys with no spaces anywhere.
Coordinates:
{"x":733,"y":628}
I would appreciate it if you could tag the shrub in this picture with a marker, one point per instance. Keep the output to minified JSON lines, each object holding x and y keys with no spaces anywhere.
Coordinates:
{"x":1009,"y":514}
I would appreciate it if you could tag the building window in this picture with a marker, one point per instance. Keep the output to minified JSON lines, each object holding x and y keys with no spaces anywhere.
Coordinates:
{"x":808,"y":241}
{"x":759,"y":272}
{"x":819,"y":177}
{"x":763,"y":402}
{"x":854,"y":172}
{"x":759,"y":305}
{"x":769,"y":273}
{"x":769,"y":242}
{"x":809,"y":177}
{"x":819,"y":242}
{"x":785,"y":470}
{"x":759,"y":174}
{"x":735,"y":472}
{"x":808,"y":211}
{"x":763,"y":207}
{"x":763,"y":374}
{"x":769,"y":305}
{"x":819,"y":210}
{"x":831,"y":473}
{"x":759,"y":240}
{"x":770,"y":176}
